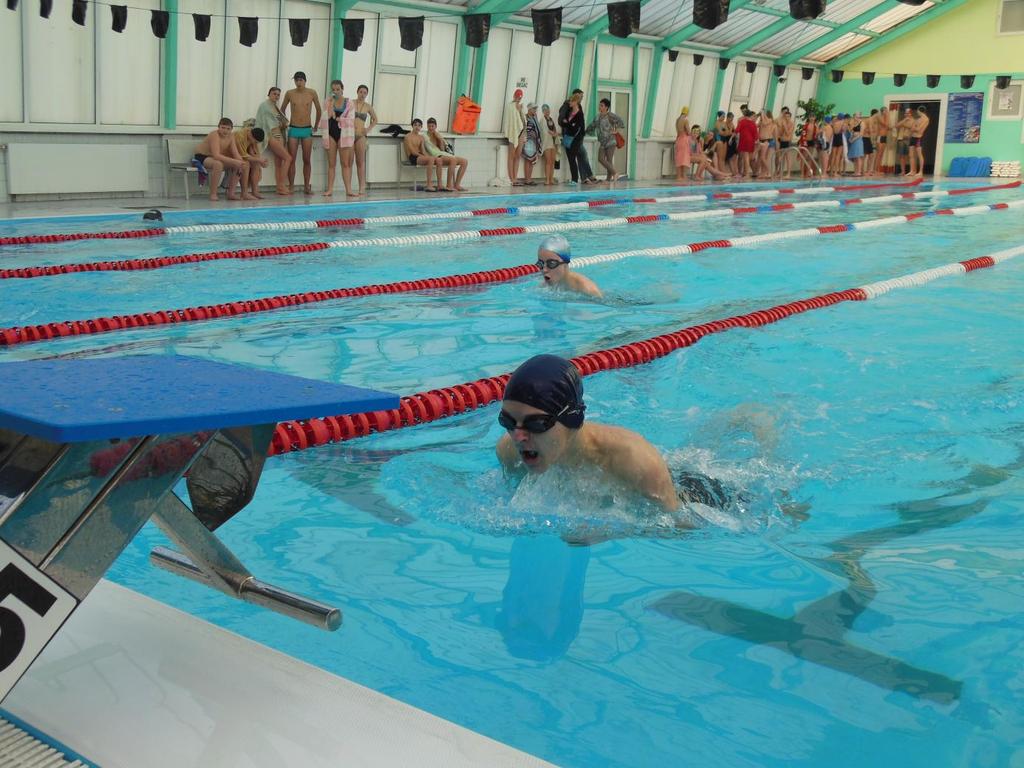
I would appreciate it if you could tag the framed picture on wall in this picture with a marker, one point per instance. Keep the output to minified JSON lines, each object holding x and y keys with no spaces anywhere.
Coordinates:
{"x":1006,"y":103}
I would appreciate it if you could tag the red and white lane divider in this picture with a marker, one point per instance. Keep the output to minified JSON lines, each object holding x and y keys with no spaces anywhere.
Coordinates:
{"x":312,"y":224}
{"x":31,"y":333}
{"x":160,"y":262}
{"x":437,"y":404}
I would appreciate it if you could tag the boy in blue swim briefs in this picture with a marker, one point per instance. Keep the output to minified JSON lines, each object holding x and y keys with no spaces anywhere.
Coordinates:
{"x":301,"y":101}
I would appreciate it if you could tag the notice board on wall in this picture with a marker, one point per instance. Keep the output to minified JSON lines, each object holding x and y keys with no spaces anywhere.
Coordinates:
{"x":963,"y":118}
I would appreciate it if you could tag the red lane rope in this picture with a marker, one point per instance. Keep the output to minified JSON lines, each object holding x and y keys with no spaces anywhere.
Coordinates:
{"x":127,"y":235}
{"x":435,"y":404}
{"x":161,"y":231}
{"x":423,"y":407}
{"x":28,"y":333}
{"x":160,"y":262}
{"x":128,"y":265}
{"x":31,"y":333}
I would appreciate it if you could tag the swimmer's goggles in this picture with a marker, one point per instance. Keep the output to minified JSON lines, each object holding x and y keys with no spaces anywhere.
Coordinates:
{"x":549,"y":263}
{"x":535,"y":423}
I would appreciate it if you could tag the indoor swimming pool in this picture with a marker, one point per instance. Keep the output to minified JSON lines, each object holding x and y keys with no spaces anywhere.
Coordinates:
{"x":856,"y":603}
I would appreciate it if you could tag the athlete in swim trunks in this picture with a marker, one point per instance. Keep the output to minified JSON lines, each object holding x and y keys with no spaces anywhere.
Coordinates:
{"x":787,"y":130}
{"x":339,"y":116}
{"x":416,"y":151}
{"x":218,"y":154}
{"x":302,"y":101}
{"x":766,"y":143}
{"x":543,"y":415}
{"x":903,"y":139}
{"x":553,"y":257}
{"x":917,"y":129}
{"x":248,"y":141}
{"x":438,"y":147}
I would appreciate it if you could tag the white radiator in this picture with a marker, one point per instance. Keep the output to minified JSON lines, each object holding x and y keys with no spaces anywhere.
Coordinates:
{"x":63,"y":168}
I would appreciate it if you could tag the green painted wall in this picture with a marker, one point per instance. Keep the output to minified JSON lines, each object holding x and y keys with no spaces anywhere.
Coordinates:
{"x":1000,"y":139}
{"x":964,"y":41}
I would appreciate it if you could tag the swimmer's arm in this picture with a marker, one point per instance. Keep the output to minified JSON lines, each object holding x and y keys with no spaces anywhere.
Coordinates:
{"x":287,"y":101}
{"x":639,"y":464}
{"x":316,"y":106}
{"x":590,"y":288}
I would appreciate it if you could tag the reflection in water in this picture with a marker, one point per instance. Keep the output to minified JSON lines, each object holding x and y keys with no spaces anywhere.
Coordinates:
{"x":816,"y":633}
{"x":542,"y":603}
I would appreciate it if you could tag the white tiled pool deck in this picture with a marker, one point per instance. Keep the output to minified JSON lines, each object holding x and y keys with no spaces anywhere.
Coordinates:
{"x":130,"y":682}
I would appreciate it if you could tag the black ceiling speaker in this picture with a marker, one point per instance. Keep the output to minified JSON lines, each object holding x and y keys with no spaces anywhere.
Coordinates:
{"x":778,"y":69}
{"x":899,"y":80}
{"x":478,"y":28}
{"x":12,"y":5}
{"x":547,"y":25}
{"x":411,"y":30}
{"x":45,"y":7}
{"x":248,"y":30}
{"x":78,"y":11}
{"x":723,"y":63}
{"x":710,"y":13}
{"x":698,"y":59}
{"x":352,"y":30}
{"x":837,"y":75}
{"x":623,"y":18}
{"x":673,"y":55}
{"x":807,"y":72}
{"x":966,"y":81}
{"x":118,"y":17}
{"x":751,"y":67}
{"x":201,"y":22}
{"x":932,"y":80}
{"x":159,"y":21}
{"x":298,"y":30}
{"x":805,"y":10}
{"x":867,"y":77}
{"x":1002,"y":82}
{"x":912,"y":2}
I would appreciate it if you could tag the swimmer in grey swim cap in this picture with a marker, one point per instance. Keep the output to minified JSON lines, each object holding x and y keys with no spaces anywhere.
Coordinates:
{"x":542,"y":413}
{"x":553,"y":261}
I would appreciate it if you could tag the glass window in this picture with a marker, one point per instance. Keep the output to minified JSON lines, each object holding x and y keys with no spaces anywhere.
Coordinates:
{"x":393,"y":99}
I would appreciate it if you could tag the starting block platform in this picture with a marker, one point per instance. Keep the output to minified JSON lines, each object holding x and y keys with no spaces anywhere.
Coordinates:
{"x":91,"y":449}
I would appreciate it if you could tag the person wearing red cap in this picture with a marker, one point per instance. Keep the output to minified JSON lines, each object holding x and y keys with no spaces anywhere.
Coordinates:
{"x":515,"y":125}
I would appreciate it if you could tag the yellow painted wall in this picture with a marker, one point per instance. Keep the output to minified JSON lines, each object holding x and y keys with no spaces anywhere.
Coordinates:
{"x":963,"y":41}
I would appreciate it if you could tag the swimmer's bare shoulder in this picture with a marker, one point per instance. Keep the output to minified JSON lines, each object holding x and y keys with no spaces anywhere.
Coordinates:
{"x":507,"y":453}
{"x":585,"y":285}
{"x":631,"y":458}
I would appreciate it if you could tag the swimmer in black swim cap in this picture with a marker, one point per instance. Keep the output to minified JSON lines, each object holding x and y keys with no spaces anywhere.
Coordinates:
{"x":543,"y":412}
{"x":553,"y":257}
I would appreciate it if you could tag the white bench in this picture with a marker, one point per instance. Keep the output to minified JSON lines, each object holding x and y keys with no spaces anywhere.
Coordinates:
{"x":179,"y":160}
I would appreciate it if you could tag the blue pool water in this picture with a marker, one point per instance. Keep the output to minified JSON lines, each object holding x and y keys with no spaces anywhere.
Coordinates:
{"x":858,"y":605}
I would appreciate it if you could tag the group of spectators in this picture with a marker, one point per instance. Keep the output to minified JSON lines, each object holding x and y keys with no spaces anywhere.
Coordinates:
{"x":286,"y":128}
{"x":749,"y":147}
{"x":532,"y":137}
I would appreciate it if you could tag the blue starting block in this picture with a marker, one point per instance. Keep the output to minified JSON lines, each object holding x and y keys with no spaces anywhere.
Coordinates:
{"x":91,"y":449}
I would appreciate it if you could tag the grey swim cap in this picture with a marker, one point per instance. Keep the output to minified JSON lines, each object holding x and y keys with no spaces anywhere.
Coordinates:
{"x":556,"y":244}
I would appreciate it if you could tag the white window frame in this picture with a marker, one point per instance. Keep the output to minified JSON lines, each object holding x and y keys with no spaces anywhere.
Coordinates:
{"x":999,"y":21}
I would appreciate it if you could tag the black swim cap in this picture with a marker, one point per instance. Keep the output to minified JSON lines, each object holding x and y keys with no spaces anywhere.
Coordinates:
{"x":552,"y":384}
